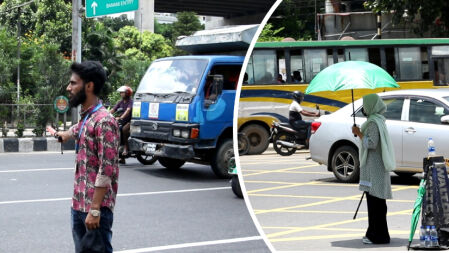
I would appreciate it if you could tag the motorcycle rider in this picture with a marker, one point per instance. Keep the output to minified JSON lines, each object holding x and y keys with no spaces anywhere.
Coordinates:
{"x":124,"y":119}
{"x":295,"y":112}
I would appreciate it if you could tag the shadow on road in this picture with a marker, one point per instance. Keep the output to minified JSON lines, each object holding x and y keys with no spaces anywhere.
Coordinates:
{"x":188,"y":172}
{"x":357,"y":244}
{"x":395,"y":180}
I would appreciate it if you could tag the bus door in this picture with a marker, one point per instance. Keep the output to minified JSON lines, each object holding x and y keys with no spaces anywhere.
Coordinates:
{"x":440,"y":59}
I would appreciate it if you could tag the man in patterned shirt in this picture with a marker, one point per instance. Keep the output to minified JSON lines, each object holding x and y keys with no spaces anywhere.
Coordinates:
{"x":97,"y":142}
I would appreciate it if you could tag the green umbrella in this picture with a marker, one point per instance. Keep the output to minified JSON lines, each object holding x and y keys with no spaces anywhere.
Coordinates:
{"x":417,"y":210}
{"x":350,"y":75}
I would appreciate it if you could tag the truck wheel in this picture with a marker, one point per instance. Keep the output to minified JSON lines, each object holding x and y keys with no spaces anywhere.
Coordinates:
{"x":243,"y":144}
{"x":235,"y":184}
{"x":345,"y":164}
{"x":146,"y":159}
{"x":258,"y":138}
{"x":221,"y":157}
{"x":171,"y":163}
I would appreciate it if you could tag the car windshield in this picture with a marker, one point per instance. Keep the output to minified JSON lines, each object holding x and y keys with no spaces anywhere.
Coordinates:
{"x":172,"y":76}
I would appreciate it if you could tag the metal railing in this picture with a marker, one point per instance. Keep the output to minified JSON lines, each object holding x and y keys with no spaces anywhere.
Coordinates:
{"x":30,"y":117}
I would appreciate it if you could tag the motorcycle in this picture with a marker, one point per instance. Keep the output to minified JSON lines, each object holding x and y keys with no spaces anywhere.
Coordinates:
{"x":142,"y":158}
{"x":286,"y":140}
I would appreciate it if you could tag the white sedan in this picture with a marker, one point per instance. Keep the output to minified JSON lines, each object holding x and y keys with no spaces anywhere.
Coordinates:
{"x":412,"y":116}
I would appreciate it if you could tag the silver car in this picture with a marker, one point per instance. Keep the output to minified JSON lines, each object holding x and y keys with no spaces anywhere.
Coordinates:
{"x":412,"y":116}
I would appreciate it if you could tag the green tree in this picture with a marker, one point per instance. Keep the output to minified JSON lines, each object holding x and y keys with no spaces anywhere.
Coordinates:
{"x":186,"y":25}
{"x":144,"y":46}
{"x":115,"y":24}
{"x":9,"y":16}
{"x":165,"y":30}
{"x":297,"y":18}
{"x":268,"y":34}
{"x":424,"y":16}
{"x":53,"y":19}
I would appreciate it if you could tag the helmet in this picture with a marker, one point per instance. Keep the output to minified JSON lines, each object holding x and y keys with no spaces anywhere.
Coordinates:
{"x":128,"y":91}
{"x":298,"y":96}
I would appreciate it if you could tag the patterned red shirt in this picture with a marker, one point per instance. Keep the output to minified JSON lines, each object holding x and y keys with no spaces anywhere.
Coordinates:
{"x":97,"y":159}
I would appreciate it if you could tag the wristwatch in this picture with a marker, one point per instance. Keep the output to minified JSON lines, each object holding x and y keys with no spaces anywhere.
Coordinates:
{"x":94,"y":213}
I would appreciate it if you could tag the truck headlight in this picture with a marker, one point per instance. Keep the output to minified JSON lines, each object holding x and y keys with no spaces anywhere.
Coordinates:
{"x":135,"y":129}
{"x":176,"y":132}
{"x":185,"y":134}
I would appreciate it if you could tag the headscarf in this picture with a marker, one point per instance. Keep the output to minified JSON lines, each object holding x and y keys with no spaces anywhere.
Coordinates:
{"x":374,"y":107}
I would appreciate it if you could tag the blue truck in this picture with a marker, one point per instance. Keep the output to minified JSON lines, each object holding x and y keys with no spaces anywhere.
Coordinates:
{"x":183,"y":111}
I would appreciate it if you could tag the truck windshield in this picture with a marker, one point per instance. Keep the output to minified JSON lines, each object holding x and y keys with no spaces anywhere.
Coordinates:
{"x":173,"y":76}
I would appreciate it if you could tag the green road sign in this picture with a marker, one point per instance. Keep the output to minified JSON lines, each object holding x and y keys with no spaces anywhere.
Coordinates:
{"x":61,"y":104}
{"x":95,"y":8}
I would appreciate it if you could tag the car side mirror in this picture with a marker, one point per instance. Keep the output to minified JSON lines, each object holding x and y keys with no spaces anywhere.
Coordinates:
{"x":445,"y":119}
{"x":214,"y":91}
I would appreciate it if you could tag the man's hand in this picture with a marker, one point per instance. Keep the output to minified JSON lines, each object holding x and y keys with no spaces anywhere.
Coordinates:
{"x":63,"y":135}
{"x":92,"y":222}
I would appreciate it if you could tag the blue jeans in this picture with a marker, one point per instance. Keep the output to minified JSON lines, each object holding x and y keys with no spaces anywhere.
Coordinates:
{"x":79,"y":227}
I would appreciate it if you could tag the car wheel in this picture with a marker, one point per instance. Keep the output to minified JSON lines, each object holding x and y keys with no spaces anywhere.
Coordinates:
{"x":146,"y":159}
{"x":171,"y":163}
{"x":345,"y":164}
{"x":284,"y":151}
{"x":258,"y":138}
{"x":221,"y":158}
{"x":404,"y":174}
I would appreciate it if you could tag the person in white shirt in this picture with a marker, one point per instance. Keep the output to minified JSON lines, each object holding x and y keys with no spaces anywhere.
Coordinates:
{"x":296,"y":112}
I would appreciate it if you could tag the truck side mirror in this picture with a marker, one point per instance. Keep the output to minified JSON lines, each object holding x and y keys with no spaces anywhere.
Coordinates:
{"x":213,"y":90}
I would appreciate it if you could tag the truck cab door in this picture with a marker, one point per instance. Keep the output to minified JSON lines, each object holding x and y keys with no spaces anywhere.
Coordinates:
{"x":219,"y":97}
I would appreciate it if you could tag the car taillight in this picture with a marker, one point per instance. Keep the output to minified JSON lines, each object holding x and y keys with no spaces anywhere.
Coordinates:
{"x":315,"y":126}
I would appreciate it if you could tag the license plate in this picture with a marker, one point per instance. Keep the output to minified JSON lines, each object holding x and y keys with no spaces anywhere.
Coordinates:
{"x":150,"y":148}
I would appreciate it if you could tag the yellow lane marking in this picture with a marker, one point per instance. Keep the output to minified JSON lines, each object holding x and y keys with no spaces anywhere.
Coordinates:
{"x":337,"y":199}
{"x":268,"y":182}
{"x":288,"y":172}
{"x":289,"y":196}
{"x":331,"y":224}
{"x":279,"y":187}
{"x":287,"y":169}
{"x":316,"y":211}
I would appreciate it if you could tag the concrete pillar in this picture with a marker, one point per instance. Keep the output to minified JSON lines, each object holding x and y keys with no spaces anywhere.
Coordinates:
{"x":144,"y":17}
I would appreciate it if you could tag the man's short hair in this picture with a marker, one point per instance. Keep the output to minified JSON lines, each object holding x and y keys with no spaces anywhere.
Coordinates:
{"x":90,"y":71}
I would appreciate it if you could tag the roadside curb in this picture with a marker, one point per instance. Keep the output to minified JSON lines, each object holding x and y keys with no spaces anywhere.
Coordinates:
{"x":33,"y":144}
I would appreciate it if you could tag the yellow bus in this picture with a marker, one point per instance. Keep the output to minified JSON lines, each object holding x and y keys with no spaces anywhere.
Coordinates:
{"x":276,"y":69}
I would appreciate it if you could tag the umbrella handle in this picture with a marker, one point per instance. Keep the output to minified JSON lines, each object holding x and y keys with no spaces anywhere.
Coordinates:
{"x":353,"y":108}
{"x":360,"y":202}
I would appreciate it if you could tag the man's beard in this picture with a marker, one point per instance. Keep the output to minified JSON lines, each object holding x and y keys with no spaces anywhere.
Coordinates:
{"x":78,"y":98}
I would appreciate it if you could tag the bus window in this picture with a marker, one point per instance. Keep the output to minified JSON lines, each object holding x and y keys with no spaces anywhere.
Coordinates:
{"x":265,"y":66}
{"x":330,"y":57}
{"x":391,"y":62}
{"x":249,"y":74}
{"x":282,"y":71}
{"x":425,"y":63}
{"x":297,"y":69}
{"x":441,"y":66}
{"x":341,"y":55}
{"x":356,"y":54}
{"x":410,"y":63}
{"x":315,"y":61}
{"x":374,"y":56}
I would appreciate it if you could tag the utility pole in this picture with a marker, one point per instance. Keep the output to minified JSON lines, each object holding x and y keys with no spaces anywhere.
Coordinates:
{"x":18,"y":58}
{"x":76,"y":42}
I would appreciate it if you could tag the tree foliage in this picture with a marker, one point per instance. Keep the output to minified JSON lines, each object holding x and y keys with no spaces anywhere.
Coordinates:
{"x":186,"y":24}
{"x":424,"y":16}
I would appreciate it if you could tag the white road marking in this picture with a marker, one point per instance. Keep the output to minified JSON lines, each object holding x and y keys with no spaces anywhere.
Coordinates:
{"x":35,"y":170}
{"x":119,"y":195}
{"x":193,"y":244}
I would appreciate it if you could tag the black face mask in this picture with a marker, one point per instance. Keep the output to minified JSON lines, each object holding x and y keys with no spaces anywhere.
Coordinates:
{"x":364,"y":113}
{"x":78,"y":98}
